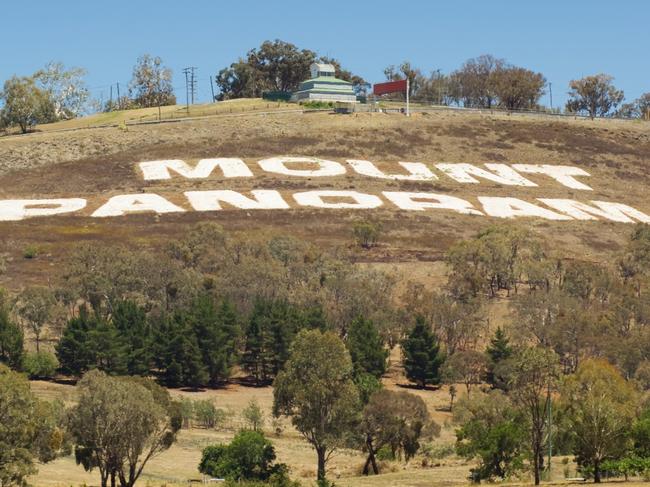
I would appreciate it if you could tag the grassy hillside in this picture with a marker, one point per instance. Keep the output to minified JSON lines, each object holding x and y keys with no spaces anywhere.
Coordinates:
{"x":97,"y":163}
{"x":166,"y":113}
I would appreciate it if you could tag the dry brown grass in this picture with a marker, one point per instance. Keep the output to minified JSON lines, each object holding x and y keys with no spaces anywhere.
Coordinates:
{"x":179,"y":464}
{"x":97,"y":163}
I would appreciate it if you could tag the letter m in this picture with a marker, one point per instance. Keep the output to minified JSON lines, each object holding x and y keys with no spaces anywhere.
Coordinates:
{"x":159,"y":170}
{"x":616,"y":212}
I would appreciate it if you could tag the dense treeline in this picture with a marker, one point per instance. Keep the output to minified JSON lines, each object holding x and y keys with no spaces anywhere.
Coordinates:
{"x":489,"y":82}
{"x":277,"y":307}
{"x":191,"y":312}
{"x":59,"y":93}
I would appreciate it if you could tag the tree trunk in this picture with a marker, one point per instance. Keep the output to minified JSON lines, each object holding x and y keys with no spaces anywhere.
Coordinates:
{"x":366,"y":466}
{"x":103,"y":475}
{"x":112,"y":479}
{"x":536,"y":467}
{"x":373,"y":460}
{"x":596,"y":472}
{"x":320,"y":451}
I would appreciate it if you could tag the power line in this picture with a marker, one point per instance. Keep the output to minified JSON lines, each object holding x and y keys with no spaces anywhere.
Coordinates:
{"x":190,"y":84}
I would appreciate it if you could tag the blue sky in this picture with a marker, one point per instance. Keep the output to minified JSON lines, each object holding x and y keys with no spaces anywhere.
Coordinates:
{"x":561,"y":39}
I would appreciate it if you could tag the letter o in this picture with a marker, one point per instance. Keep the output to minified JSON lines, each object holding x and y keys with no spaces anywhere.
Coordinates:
{"x":326,"y":168}
{"x":315,"y":199}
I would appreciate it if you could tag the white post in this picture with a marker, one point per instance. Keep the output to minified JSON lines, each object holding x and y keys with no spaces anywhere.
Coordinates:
{"x":407,"y":97}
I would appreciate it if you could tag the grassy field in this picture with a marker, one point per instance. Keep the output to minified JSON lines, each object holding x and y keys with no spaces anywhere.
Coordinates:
{"x":178,"y":465}
{"x":169,"y":112}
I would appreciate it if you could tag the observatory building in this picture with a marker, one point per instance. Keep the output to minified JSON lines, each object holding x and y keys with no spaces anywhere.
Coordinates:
{"x":324,"y":86}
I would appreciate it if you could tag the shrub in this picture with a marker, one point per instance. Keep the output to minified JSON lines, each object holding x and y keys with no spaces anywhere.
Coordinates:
{"x":253,"y":416}
{"x":207,"y":415}
{"x":40,"y":365}
{"x":277,"y":480}
{"x":385,"y":453}
{"x":30,"y":252}
{"x":187,"y":411}
{"x":437,"y":452}
{"x":249,"y":456}
{"x":318,"y":105}
{"x":366,"y":233}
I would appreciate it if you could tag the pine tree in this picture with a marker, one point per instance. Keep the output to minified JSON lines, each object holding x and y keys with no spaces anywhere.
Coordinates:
{"x":216,"y":334}
{"x":366,"y":348}
{"x":422,"y":357}
{"x":498,"y":351}
{"x":90,"y":342}
{"x":230,"y":323}
{"x":130,"y":320}
{"x":251,"y":358}
{"x":272,"y":326}
{"x":109,"y":349}
{"x":73,"y":351}
{"x":314,"y":318}
{"x":257,"y":358}
{"x":178,"y":354}
{"x":284,"y":321}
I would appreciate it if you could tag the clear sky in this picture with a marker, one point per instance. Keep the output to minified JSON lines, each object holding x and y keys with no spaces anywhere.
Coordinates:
{"x":562,"y":39}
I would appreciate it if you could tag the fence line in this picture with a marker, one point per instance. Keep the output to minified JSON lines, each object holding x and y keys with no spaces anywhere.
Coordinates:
{"x":375,"y":109}
{"x":496,"y":111}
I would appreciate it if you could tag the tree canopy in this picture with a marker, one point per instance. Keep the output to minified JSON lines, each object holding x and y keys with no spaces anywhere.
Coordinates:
{"x":594,"y":95}
{"x":602,"y":406}
{"x":119,"y":424}
{"x":151,"y":84}
{"x":273,"y":66}
{"x":25,"y":104}
{"x":316,"y":390}
{"x":422,"y":357}
{"x":28,"y":430}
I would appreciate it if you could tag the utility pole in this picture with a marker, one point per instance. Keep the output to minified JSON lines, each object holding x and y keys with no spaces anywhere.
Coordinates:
{"x":190,"y":85}
{"x":119,"y":100}
{"x":212,"y":89}
{"x":186,"y":72}
{"x":193,"y":84}
{"x":550,"y":92}
{"x":111,"y":98}
{"x":407,"y":97}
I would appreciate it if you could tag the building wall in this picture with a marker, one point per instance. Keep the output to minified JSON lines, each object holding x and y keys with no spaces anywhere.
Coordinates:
{"x":314,"y":96}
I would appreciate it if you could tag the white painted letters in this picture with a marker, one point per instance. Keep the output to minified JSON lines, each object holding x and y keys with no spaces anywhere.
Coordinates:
{"x":325,"y":168}
{"x":562,"y":174}
{"x":316,"y":199}
{"x":514,"y":207}
{"x":423,"y":201}
{"x":160,"y":170}
{"x":417,"y":171}
{"x":616,"y":212}
{"x":14,"y":210}
{"x":136,"y":203}
{"x":501,"y":174}
{"x":263,"y":199}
